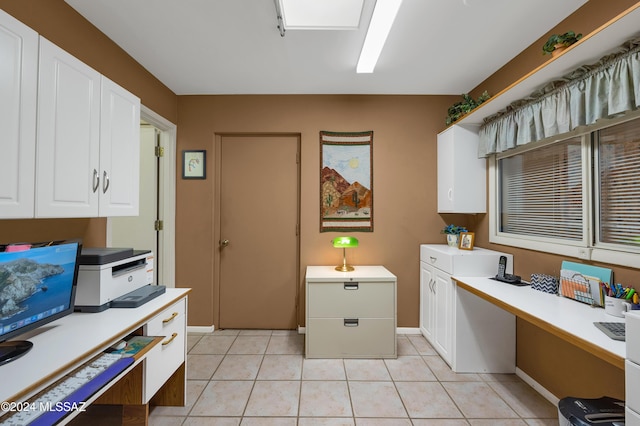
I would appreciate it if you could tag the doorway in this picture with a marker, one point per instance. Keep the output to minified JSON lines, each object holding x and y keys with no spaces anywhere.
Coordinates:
{"x":258,"y":229}
{"x":157,"y":199}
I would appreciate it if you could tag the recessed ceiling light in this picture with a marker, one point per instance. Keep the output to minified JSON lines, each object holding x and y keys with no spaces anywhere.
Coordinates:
{"x":382,"y":19}
{"x":321,"y":14}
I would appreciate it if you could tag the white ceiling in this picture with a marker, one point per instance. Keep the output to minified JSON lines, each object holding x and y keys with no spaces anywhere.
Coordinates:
{"x":234,"y":46}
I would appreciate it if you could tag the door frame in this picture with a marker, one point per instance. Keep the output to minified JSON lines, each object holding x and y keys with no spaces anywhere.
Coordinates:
{"x":215,"y":273}
{"x":166,"y":198}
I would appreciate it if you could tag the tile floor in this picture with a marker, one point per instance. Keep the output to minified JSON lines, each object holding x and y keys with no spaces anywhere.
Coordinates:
{"x":260,"y":377}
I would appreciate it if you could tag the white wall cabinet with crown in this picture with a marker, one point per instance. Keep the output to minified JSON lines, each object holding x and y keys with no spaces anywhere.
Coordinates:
{"x":462,"y":181}
{"x":88,"y":141}
{"x":350,"y":314}
{"x":18,"y":80}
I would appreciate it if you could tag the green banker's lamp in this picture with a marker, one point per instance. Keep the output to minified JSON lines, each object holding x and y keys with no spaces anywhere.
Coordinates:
{"x":344,"y":243}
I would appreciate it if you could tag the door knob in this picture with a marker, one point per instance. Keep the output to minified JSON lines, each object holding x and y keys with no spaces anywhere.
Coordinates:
{"x":224,"y":243}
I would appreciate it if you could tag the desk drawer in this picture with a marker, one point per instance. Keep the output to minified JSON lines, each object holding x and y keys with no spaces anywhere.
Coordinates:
{"x":165,"y":358}
{"x":351,"y":338}
{"x":352,"y":299}
{"x":632,"y":385}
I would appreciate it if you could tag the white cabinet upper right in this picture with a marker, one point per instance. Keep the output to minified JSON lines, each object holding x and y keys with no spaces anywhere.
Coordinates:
{"x":88,"y":141}
{"x":462,"y":182}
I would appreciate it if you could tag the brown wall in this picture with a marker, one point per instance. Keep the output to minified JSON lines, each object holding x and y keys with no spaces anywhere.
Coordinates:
{"x":404,"y":184}
{"x":556,"y":364}
{"x":59,"y":23}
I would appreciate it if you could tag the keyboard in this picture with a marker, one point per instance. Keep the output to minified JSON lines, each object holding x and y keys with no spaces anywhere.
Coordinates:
{"x":69,"y":393}
{"x":615,"y":330}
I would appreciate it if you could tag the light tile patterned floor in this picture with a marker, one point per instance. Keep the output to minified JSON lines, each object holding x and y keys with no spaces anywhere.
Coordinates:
{"x":260,"y":377}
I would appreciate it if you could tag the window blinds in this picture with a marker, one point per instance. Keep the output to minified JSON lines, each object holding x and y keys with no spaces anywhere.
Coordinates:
{"x":619,"y":183}
{"x":541,"y":192}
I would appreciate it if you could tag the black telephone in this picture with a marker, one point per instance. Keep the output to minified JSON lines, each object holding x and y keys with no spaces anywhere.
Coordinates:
{"x":504,"y":277}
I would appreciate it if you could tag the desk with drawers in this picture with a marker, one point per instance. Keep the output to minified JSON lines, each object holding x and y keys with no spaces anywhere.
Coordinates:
{"x":66,"y":344}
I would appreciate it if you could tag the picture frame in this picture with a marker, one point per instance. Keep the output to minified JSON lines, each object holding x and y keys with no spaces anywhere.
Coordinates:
{"x":466,"y":240}
{"x":194,"y":164}
{"x":346,"y":181}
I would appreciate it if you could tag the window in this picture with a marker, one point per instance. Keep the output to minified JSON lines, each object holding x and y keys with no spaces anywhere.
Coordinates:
{"x":578,"y":197}
{"x":619,"y":184}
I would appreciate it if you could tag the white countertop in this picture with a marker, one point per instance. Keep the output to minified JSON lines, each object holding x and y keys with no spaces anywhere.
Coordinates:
{"x":361,"y":273}
{"x":565,"y":318}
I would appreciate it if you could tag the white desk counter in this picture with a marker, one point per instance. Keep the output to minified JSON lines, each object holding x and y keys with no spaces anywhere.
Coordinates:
{"x":63,"y":345}
{"x":570,"y":320}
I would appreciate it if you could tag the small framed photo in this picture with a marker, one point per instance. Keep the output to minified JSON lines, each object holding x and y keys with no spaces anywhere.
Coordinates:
{"x":465,"y":241}
{"x":194,"y":165}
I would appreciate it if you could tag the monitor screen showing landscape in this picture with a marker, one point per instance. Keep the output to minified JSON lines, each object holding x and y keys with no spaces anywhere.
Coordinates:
{"x":37,"y":285}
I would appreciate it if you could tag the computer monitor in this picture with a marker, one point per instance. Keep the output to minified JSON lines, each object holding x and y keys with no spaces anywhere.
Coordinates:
{"x":37,"y":286}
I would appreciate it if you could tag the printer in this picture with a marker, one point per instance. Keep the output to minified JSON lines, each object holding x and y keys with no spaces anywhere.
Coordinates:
{"x":107,"y":275}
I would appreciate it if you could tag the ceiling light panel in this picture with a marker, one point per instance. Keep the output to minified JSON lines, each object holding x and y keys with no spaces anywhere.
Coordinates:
{"x":321,"y":14}
{"x":382,"y":19}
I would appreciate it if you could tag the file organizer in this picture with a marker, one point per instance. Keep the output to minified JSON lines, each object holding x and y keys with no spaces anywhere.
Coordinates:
{"x":582,"y":282}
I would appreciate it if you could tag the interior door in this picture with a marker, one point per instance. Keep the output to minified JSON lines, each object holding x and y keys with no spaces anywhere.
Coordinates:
{"x":258,"y":244}
{"x":138,"y":232}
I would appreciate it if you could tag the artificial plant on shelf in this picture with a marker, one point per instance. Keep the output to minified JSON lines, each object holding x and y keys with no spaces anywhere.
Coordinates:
{"x":465,"y":106}
{"x":453,"y":229}
{"x":560,"y":41}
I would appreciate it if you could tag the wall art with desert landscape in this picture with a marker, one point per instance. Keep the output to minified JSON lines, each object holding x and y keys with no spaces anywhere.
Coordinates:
{"x":346,"y":181}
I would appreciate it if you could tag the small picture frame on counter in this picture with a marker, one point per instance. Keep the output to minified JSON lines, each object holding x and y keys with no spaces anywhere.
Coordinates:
{"x":465,"y":241}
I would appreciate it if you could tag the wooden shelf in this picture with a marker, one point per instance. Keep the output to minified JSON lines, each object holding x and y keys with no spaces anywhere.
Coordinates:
{"x":588,"y":50}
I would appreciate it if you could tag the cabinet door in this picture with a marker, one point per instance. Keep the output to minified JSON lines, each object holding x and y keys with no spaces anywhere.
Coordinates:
{"x":18,"y":89}
{"x":443,"y":312}
{"x":119,"y":151}
{"x":67,"y":176}
{"x":427,"y":296}
{"x":461,"y":174}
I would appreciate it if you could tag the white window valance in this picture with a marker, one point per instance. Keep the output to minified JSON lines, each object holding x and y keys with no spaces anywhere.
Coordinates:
{"x":603,"y":90}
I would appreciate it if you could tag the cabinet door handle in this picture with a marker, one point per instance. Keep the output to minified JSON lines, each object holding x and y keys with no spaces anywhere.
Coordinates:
{"x":166,"y":320}
{"x":351,"y":286}
{"x":351,"y":322}
{"x":173,"y":336}
{"x":450,"y":194}
{"x":105,"y":181}
{"x":96,"y":180}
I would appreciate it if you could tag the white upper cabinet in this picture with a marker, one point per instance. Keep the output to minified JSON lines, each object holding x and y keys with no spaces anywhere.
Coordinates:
{"x":88,"y":141}
{"x":462,"y":185}
{"x":119,"y":151}
{"x":18,"y":91}
{"x":68,"y":163}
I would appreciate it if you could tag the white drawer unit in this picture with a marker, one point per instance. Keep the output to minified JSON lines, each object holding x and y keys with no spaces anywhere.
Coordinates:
{"x":632,"y":369}
{"x":165,"y":358}
{"x":350,"y":314}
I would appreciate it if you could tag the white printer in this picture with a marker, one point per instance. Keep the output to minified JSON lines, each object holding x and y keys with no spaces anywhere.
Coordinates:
{"x":106,"y":274}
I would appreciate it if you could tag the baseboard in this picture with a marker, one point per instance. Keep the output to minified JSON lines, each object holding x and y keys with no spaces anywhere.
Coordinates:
{"x":408,"y":330}
{"x":537,"y":387}
{"x":200,"y":329}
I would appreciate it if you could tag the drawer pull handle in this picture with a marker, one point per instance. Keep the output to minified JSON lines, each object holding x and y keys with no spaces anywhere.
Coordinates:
{"x":433,"y":259}
{"x":351,"y":286}
{"x":173,"y":315}
{"x":351,"y":322}
{"x":173,"y":336}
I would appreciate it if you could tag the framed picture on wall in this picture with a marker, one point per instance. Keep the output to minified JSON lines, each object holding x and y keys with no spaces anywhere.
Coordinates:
{"x":194,"y":164}
{"x":346,"y":181}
